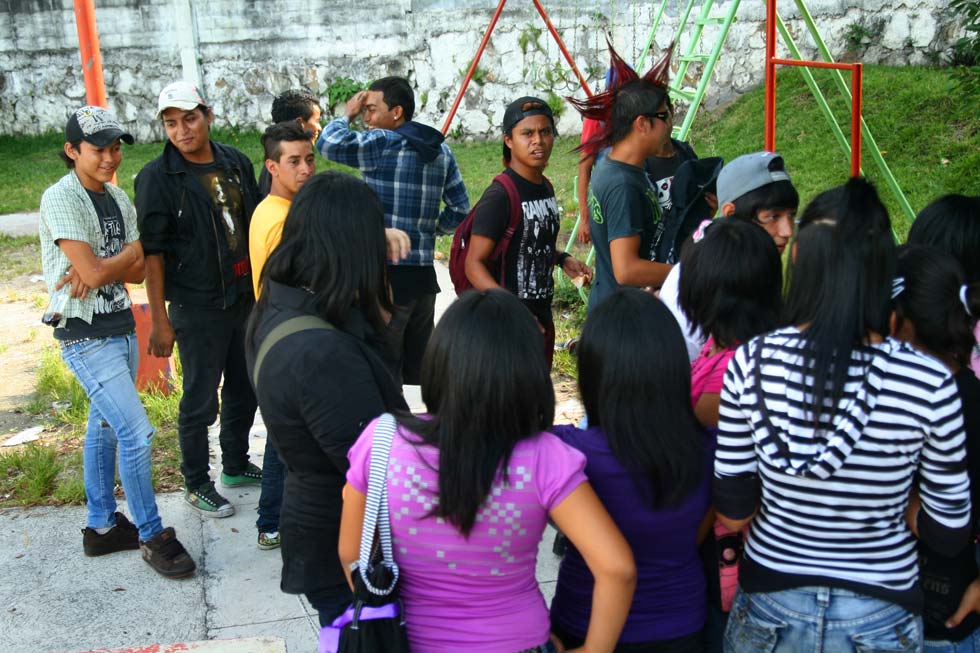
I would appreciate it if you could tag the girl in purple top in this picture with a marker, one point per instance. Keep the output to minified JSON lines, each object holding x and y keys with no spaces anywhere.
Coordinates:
{"x":731,"y":292}
{"x":472,"y":485}
{"x":646,"y":457}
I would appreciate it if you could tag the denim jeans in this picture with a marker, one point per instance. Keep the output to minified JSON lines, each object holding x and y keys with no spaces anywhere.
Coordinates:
{"x":106,"y":369}
{"x":270,"y":498}
{"x":819,"y":620}
{"x":211,"y":342}
{"x":970,"y":644}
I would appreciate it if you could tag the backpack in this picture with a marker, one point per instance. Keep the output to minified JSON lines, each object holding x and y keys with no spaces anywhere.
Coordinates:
{"x":461,"y":239}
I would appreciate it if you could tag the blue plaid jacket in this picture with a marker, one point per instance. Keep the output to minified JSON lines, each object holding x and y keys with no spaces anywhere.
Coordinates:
{"x":410,"y":188}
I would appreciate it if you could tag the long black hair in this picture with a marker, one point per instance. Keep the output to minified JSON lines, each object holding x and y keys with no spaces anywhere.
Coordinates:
{"x":731,"y":284}
{"x":952,"y":223}
{"x":931,"y":300}
{"x":333,"y":245}
{"x":840,"y":306}
{"x":486,"y":385}
{"x":635,"y":382}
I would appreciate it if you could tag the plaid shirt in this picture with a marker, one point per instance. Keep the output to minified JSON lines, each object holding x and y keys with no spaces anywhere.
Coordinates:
{"x":67,"y":213}
{"x":410,"y":189}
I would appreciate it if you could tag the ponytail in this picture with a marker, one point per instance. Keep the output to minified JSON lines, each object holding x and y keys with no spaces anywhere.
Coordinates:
{"x":933,"y":302}
{"x":851,"y":299}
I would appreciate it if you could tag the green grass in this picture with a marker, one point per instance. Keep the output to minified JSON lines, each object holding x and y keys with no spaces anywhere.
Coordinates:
{"x":46,"y":473}
{"x":19,"y":255}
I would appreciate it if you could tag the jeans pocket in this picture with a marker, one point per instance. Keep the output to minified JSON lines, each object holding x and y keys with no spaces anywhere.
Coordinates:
{"x":750,"y":630}
{"x":904,"y":633}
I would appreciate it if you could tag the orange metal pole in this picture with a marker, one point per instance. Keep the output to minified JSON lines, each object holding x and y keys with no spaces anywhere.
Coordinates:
{"x":770,"y":127}
{"x":561,"y":46}
{"x":857,"y":84}
{"x":88,"y":48}
{"x":476,"y":60}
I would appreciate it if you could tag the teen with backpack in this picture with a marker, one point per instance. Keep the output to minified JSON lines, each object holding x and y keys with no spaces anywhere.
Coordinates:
{"x":510,"y":238}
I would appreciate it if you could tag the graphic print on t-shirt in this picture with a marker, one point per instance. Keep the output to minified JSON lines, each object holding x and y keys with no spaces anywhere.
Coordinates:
{"x":537,"y":248}
{"x":226,"y":194}
{"x":112,"y":297}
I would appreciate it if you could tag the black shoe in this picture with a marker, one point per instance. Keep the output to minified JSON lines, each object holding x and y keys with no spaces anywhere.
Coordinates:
{"x":124,"y":536}
{"x":167,"y":555}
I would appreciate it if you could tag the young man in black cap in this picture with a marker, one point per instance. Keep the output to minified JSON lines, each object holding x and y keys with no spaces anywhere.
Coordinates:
{"x":89,"y":240}
{"x":531,"y":255}
{"x":195,"y":202}
{"x":413,"y":171}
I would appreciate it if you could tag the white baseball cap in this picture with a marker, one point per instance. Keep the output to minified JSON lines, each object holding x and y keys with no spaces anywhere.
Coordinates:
{"x":179,"y":95}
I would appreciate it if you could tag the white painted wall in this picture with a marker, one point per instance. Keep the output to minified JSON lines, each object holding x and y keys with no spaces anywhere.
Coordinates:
{"x":247,"y":50}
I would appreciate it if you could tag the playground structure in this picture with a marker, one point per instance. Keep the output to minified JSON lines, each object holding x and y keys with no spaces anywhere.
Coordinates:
{"x":689,"y":48}
{"x":694,"y":96}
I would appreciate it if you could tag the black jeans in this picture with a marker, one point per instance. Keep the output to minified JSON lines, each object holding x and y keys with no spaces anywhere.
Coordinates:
{"x":693,"y":643}
{"x":409,"y":330}
{"x":211,"y":342}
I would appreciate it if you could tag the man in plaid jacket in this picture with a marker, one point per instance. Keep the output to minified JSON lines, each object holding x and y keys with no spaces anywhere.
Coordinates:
{"x":413,"y":172}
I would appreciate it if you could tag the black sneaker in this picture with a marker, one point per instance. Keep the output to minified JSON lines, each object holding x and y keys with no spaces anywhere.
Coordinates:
{"x":167,"y":555}
{"x":124,"y":536}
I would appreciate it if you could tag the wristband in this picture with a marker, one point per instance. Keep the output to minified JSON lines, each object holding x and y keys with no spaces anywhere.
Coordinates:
{"x":560,"y":261}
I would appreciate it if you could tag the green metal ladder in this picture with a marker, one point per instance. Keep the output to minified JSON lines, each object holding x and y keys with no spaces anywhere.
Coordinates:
{"x":695,"y":96}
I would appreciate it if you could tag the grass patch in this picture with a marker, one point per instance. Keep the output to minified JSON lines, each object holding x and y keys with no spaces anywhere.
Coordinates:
{"x":41,"y":473}
{"x":19,"y":255}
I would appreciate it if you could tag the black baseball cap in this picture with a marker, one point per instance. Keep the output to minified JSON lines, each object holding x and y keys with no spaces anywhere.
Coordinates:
{"x":523,"y":107}
{"x":97,"y":126}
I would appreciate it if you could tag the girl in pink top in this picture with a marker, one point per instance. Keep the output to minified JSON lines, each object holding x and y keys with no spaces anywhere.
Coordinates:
{"x":472,"y":485}
{"x":952,"y":223}
{"x":731,"y":290}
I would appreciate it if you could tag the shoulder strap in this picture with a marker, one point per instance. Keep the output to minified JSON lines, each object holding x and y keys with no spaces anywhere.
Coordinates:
{"x":516,"y":211}
{"x":376,"y":515}
{"x":287,"y":328}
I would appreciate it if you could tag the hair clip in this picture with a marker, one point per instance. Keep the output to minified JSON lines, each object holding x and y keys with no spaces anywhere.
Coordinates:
{"x":700,"y":231}
{"x":898,"y":286}
{"x":963,"y":299}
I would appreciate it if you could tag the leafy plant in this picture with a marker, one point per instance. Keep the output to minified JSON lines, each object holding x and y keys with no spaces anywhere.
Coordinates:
{"x":528,"y":38}
{"x":966,"y":51}
{"x":342,"y":89}
{"x":557,"y":104}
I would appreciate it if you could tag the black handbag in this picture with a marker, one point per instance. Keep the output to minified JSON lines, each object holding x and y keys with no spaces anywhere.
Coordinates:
{"x":375,"y":621}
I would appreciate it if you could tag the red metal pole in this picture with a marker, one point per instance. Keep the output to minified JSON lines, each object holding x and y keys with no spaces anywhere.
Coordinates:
{"x":857,"y":83}
{"x":561,"y":46}
{"x":770,"y":128}
{"x":476,"y":60}
{"x":88,"y":48}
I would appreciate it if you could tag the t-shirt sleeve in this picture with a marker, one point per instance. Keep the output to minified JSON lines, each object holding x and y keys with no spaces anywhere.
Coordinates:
{"x":59,"y":214}
{"x":359,"y":457}
{"x":590,"y":128}
{"x":491,"y":216}
{"x":559,"y":469}
{"x":736,"y":483}
{"x":624,"y":208}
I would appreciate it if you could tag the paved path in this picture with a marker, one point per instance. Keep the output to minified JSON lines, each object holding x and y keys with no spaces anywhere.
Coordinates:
{"x":19,"y":224}
{"x":56,"y":599}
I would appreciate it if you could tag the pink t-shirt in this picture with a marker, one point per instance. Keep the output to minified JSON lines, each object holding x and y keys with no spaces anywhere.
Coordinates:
{"x":477,"y":594}
{"x":708,"y":372}
{"x":975,"y":357}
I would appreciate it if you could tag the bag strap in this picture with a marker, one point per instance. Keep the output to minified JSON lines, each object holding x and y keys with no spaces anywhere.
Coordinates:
{"x":281,"y":331}
{"x":516,"y":212}
{"x":376,"y":515}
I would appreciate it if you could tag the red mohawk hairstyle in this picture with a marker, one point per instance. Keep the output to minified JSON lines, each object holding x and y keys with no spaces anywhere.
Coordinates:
{"x":600,"y":106}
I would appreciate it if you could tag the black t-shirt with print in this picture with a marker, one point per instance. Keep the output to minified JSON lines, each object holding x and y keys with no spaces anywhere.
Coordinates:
{"x":661,"y":169}
{"x":228,"y":214}
{"x":530,"y":257}
{"x":112,"y":315}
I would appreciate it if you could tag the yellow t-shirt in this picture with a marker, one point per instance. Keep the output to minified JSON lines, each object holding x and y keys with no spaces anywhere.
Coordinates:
{"x":264,"y":233}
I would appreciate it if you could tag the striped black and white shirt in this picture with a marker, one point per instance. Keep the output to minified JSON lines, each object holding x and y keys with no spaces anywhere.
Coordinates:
{"x":831,"y":501}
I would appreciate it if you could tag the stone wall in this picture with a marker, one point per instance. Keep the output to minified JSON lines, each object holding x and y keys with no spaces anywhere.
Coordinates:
{"x":247,"y":50}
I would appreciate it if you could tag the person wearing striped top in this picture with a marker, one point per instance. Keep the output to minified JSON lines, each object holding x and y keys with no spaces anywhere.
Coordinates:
{"x":821,"y":459}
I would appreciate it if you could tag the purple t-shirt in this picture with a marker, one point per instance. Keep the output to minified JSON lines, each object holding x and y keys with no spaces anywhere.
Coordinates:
{"x":475,"y":594}
{"x":670,"y":590}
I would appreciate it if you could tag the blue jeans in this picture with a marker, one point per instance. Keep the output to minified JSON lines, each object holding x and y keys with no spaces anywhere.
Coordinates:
{"x":270,"y":497}
{"x":819,"y":620}
{"x":106,"y":369}
{"x":970,"y":644}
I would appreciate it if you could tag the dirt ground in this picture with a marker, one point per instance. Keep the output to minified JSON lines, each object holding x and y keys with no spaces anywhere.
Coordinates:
{"x":22,"y":339}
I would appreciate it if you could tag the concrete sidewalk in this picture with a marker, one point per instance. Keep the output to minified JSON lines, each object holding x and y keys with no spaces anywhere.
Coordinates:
{"x":19,"y":224}
{"x":56,"y":599}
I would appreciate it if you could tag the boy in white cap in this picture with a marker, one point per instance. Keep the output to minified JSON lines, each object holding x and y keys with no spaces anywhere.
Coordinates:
{"x":195,"y":202}
{"x":89,"y":242}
